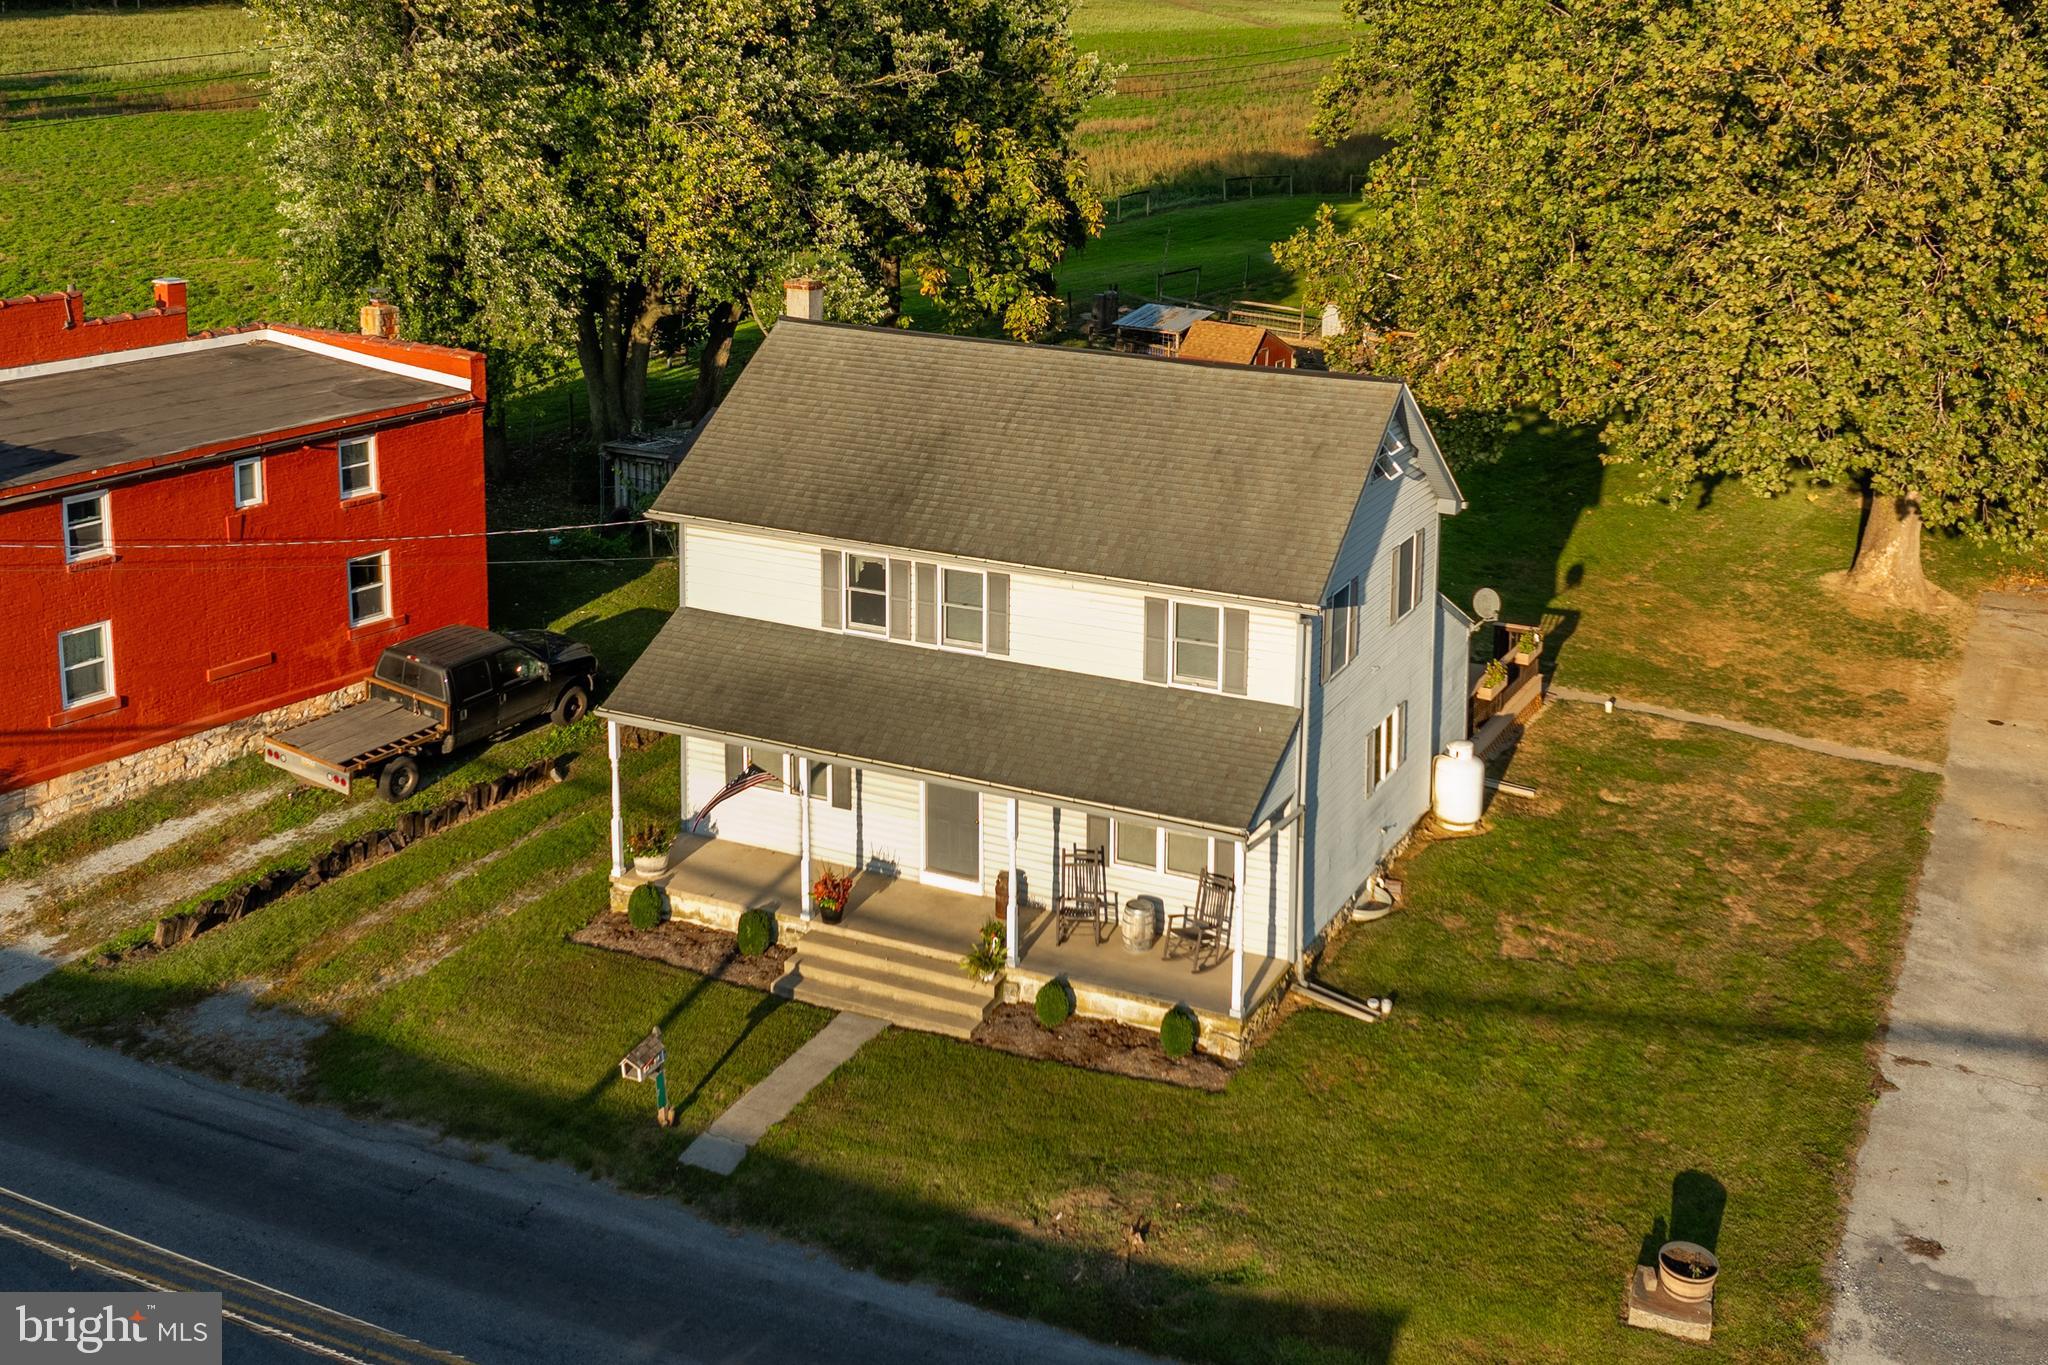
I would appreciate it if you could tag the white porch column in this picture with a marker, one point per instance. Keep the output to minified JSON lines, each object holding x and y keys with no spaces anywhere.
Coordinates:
{"x":611,"y":748}
{"x":683,"y":811}
{"x":1237,"y":940}
{"x":1011,"y":908}
{"x":803,"y":796}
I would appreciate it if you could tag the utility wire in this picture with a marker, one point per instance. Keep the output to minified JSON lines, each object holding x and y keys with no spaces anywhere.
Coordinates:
{"x":168,"y":60}
{"x":120,"y":546}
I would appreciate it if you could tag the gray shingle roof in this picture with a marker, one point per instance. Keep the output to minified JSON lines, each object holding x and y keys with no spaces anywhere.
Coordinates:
{"x":76,"y":421}
{"x":1167,"y":752}
{"x":1212,"y":478}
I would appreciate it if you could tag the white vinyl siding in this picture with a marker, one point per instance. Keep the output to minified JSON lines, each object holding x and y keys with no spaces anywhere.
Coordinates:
{"x":357,"y":458}
{"x":369,"y":588}
{"x":1052,"y":621}
{"x":85,"y":664}
{"x":877,"y":823}
{"x":88,"y":533}
{"x":248,"y":483}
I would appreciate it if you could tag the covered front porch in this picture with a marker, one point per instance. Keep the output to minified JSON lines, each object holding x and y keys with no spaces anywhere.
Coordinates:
{"x":712,"y":881}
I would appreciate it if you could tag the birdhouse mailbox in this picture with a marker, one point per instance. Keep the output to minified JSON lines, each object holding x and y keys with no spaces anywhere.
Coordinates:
{"x":646,"y":1059}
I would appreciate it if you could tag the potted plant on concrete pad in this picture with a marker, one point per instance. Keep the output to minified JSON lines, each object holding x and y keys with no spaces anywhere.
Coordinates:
{"x":829,"y":894}
{"x":649,"y":844}
{"x":1492,"y":681}
{"x":990,"y":953}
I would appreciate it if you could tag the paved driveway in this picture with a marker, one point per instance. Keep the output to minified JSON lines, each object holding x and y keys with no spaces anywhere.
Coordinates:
{"x":1946,"y":1254}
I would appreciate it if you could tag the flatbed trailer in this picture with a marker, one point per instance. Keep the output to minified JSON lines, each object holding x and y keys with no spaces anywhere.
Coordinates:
{"x":330,"y":751}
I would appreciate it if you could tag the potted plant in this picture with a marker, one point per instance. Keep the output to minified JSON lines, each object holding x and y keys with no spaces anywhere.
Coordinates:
{"x":829,"y":894}
{"x":648,"y":843}
{"x":989,"y":954}
{"x":1528,"y":648}
{"x":1492,"y":681}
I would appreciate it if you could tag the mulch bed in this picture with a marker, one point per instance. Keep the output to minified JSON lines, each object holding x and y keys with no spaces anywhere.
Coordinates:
{"x":707,"y":952}
{"x":1098,"y":1045}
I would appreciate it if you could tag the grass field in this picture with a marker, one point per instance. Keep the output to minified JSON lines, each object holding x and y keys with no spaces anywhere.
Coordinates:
{"x":78,"y":61}
{"x":1669,"y":961}
{"x":1231,"y":245}
{"x":1213,"y":89}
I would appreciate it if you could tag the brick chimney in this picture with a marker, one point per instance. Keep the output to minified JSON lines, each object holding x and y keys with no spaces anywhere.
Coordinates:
{"x":380,"y":319}
{"x":804,"y":298}
{"x":170,"y":293}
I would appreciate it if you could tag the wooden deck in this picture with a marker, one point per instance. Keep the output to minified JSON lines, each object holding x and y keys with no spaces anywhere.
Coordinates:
{"x":713,"y":881}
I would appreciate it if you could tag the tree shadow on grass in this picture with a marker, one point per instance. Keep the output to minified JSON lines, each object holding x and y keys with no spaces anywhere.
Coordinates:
{"x":1121,"y":1296}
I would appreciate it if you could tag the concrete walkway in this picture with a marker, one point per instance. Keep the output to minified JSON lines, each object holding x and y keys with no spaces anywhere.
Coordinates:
{"x":720,"y":1148}
{"x":1945,"y":1257}
{"x":1740,"y":727}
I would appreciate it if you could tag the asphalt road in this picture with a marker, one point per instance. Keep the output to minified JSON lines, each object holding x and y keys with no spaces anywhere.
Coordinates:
{"x":1942,"y":1255}
{"x":378,"y":1242}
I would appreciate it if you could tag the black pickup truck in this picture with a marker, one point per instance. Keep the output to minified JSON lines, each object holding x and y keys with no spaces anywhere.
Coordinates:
{"x":441,"y":690}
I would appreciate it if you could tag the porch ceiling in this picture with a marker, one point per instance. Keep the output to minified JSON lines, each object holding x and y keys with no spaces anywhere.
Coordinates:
{"x":1189,"y":757}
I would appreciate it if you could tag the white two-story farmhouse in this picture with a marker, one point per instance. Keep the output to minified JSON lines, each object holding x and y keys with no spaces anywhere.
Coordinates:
{"x":978,"y":605}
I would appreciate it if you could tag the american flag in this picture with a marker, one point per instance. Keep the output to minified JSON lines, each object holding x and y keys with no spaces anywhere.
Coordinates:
{"x":753,"y":776}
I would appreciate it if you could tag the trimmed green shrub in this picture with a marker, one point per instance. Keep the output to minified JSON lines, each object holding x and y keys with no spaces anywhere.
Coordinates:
{"x":757,"y":931}
{"x":1055,"y":1003}
{"x":644,"y":907}
{"x":1177,"y":1032}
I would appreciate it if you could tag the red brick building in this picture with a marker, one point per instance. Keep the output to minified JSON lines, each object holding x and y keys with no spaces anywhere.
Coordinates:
{"x":201,"y":536}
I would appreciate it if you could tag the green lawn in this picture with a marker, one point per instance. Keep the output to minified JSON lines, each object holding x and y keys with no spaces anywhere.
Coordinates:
{"x":1231,"y":245}
{"x":59,"y":62}
{"x":1715,"y":606}
{"x":1670,"y":961}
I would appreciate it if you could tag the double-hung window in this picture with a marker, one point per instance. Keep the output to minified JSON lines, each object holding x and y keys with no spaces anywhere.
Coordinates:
{"x":833,"y":782}
{"x":358,"y":466}
{"x":87,"y":534}
{"x":867,"y":593}
{"x":1197,"y":644}
{"x":248,"y":482}
{"x":962,"y":619}
{"x":1408,"y":575}
{"x":85,"y":664}
{"x":1386,"y":747}
{"x":369,"y":589}
{"x":1340,"y":629}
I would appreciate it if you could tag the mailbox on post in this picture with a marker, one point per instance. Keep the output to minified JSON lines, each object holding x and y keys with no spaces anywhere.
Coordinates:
{"x":647,"y":1058}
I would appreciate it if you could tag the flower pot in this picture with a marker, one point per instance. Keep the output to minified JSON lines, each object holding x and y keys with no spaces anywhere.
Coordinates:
{"x":830,"y":911}
{"x":1686,"y":1271}
{"x":1523,"y":658}
{"x":652,"y":865}
{"x":1485,"y":693}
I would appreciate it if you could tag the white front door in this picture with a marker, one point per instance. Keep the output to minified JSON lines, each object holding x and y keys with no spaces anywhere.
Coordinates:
{"x":952,"y":836}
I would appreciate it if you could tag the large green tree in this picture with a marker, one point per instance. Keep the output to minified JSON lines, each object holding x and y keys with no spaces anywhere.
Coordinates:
{"x":1745,"y":237}
{"x":615,"y":179}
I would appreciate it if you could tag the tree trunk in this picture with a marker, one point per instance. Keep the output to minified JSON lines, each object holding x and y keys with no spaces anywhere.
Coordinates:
{"x":892,"y":289}
{"x":720,"y":324}
{"x":615,"y":329}
{"x":1888,"y":553}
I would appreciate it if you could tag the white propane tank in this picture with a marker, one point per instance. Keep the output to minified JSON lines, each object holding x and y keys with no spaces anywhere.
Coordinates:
{"x":1460,"y":785}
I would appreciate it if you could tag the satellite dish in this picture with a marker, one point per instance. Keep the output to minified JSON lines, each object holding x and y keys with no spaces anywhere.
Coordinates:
{"x":1487,"y":603}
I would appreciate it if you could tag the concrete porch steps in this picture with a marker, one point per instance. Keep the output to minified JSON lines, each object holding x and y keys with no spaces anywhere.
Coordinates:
{"x":910,"y":986}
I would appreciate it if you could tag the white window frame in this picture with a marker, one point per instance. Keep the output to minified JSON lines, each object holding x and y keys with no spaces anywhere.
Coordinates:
{"x":261,"y":495}
{"x":847,"y":590}
{"x":1162,"y":833}
{"x":1174,"y":606}
{"x":369,"y":444}
{"x":383,"y":558}
{"x":106,"y":545}
{"x":105,"y":631}
{"x":1340,"y":627}
{"x":944,"y":642}
{"x":824,"y":787}
{"x":1383,"y":760}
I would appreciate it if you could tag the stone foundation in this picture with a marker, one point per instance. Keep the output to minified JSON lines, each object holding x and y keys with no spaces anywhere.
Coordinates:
{"x":30,"y":810}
